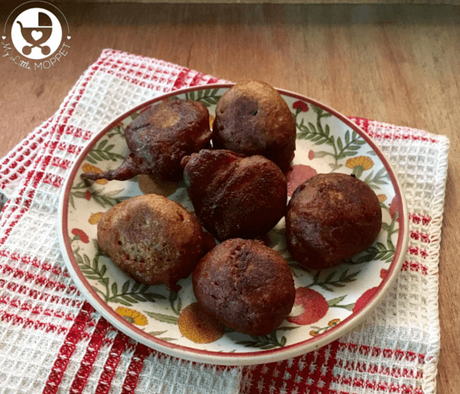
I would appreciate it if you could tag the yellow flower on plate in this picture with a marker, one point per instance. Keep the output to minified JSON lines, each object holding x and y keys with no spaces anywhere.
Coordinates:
{"x":95,"y":217}
{"x":359,"y":164}
{"x":195,"y":324}
{"x":90,"y":168}
{"x":333,"y":322}
{"x":382,"y":197}
{"x":132,"y":316}
{"x":364,"y":161}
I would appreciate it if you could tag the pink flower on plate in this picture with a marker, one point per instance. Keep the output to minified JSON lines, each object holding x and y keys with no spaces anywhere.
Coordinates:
{"x":300,"y":106}
{"x":298,"y":175}
{"x":309,"y":307}
{"x":81,"y":235}
{"x":383,"y":273}
{"x":364,"y":299}
{"x":394,"y":208}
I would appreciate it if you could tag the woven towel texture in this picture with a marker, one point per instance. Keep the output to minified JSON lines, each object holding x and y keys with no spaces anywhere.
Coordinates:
{"x":53,"y":341}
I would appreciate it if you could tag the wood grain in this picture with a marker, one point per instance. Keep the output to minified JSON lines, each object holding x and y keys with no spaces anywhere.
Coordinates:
{"x":393,"y":63}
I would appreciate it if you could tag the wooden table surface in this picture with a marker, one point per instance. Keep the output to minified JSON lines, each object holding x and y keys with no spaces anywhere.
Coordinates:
{"x":393,"y":63}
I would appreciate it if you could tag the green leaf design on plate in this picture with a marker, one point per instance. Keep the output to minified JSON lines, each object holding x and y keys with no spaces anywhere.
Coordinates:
{"x":329,"y":282}
{"x":208,"y":97}
{"x":92,"y":269}
{"x":103,"y":152}
{"x":162,"y":317}
{"x":118,"y":130}
{"x":320,"y":135}
{"x":335,"y":303}
{"x":132,"y":292}
{"x":380,"y":251}
{"x":156,"y":333}
{"x":104,"y":199}
{"x":108,"y":198}
{"x":380,"y":178}
{"x":175,"y":302}
{"x":77,"y":191}
{"x":269,"y":341}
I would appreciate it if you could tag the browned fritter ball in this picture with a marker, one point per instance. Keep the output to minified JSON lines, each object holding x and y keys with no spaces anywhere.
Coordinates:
{"x":235,"y":196}
{"x":245,"y":285}
{"x":330,"y":219}
{"x":253,"y":119}
{"x":159,"y":138}
{"x":152,"y":239}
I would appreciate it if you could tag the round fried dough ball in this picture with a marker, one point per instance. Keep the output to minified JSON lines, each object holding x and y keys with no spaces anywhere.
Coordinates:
{"x":159,"y":138}
{"x":235,"y":196}
{"x":331,"y":218}
{"x":253,"y":119}
{"x":152,"y":239}
{"x":245,"y":285}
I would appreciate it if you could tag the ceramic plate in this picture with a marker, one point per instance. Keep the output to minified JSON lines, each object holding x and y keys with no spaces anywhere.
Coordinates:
{"x":328,"y":303}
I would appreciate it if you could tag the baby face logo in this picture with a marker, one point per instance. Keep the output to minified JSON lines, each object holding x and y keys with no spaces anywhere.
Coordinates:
{"x":37,"y":37}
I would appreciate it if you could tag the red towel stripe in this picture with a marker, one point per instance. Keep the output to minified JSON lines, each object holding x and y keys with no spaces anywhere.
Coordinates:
{"x":375,"y":351}
{"x":34,"y":177}
{"x":34,"y":309}
{"x":135,"y":368}
{"x":378,"y":385}
{"x":414,"y":267}
{"x":73,"y":131}
{"x":371,"y":368}
{"x":86,"y":365}
{"x":40,"y":295}
{"x":181,"y":79}
{"x":311,"y":372}
{"x":416,"y":251}
{"x":69,"y":148}
{"x":400,"y":133}
{"x":21,"y":204}
{"x":22,"y":156}
{"x":419,"y":218}
{"x":53,"y":179}
{"x":67,"y":349}
{"x":105,"y":380}
{"x":41,"y":280}
{"x":419,"y":236}
{"x":60,"y":162}
{"x":34,"y":262}
{"x":27,"y":323}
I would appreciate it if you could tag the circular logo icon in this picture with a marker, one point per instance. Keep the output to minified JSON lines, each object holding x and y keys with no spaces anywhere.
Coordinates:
{"x":36,"y":33}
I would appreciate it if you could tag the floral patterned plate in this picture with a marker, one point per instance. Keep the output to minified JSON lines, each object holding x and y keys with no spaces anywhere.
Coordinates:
{"x":328,"y":303}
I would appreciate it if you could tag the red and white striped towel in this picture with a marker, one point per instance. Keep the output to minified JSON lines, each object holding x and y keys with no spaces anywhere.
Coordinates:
{"x":53,"y":341}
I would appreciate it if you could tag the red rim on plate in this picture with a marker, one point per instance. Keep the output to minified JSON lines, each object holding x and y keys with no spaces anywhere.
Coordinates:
{"x":230,"y":358}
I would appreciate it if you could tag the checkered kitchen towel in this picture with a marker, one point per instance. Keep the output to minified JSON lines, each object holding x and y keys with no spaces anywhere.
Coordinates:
{"x":53,"y":341}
